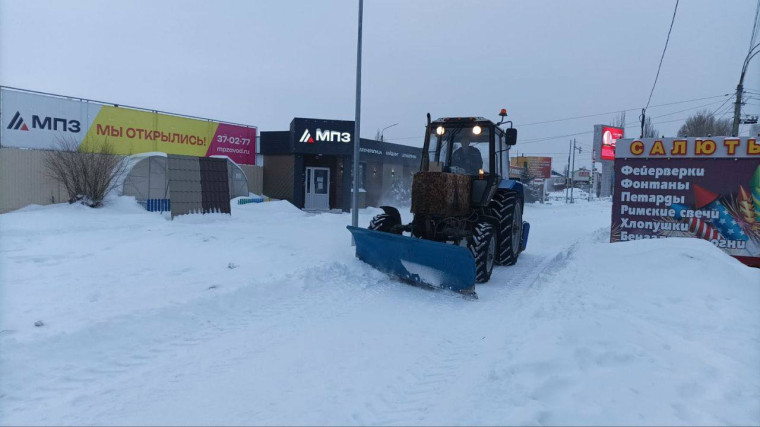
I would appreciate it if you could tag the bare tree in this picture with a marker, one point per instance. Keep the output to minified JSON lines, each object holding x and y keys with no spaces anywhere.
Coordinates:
{"x":619,"y":121}
{"x":704,"y":123}
{"x":87,"y":176}
{"x":649,"y":129}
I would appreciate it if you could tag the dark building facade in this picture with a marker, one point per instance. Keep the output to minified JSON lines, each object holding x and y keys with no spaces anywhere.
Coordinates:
{"x":310,"y":166}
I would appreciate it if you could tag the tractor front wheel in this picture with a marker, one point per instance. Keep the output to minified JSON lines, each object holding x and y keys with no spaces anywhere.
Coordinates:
{"x":384,"y":222}
{"x":507,"y":209}
{"x":482,"y":245}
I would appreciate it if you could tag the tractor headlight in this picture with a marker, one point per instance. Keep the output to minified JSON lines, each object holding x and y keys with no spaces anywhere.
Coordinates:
{"x":476,"y":130}
{"x":440,"y":130}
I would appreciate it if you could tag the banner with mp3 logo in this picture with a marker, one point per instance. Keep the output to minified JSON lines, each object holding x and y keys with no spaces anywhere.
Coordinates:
{"x":37,"y":121}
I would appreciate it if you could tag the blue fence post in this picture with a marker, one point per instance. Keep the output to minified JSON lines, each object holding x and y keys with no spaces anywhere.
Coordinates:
{"x":158,"y":205}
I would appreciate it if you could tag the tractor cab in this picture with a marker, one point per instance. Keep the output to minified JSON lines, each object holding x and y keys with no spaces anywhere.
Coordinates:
{"x":468,"y":146}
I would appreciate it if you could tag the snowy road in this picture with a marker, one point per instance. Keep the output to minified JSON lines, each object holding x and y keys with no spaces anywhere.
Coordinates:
{"x":265,"y":317}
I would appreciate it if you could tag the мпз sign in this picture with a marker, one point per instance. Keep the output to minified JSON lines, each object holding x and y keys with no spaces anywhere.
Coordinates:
{"x":31,"y":120}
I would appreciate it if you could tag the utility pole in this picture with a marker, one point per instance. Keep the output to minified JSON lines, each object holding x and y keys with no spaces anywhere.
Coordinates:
{"x":753,"y":50}
{"x":357,"y":137}
{"x":572,"y":176}
{"x":572,"y":173}
{"x":738,"y":107}
{"x":567,"y":174}
{"x":591,"y":177}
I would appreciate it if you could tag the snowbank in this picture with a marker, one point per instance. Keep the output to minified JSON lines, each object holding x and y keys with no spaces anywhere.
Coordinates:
{"x":560,"y":196}
{"x":649,"y":332}
{"x":266,"y":317}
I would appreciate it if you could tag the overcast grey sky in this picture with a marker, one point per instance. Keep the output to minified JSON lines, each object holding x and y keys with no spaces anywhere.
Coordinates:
{"x":264,"y":62}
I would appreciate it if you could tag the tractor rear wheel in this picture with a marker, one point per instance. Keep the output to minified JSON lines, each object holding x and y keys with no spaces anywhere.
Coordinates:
{"x":507,"y":209}
{"x":383,"y":222}
{"x":482,"y":245}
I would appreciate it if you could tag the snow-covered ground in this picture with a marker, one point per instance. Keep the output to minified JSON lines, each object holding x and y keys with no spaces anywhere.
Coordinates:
{"x":579,"y":195}
{"x":266,"y":317}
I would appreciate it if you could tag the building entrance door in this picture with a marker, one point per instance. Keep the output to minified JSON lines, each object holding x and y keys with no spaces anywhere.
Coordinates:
{"x":317,"y":188}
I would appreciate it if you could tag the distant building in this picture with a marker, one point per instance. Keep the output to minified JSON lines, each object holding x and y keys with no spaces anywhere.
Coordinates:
{"x":310,"y":166}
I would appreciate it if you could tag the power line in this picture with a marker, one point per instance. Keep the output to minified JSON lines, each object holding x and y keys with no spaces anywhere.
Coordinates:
{"x":595,"y":115}
{"x":754,"y":28}
{"x":724,"y":110}
{"x":728,"y":109}
{"x":662,"y":56}
{"x":666,"y":121}
{"x":542,"y":139}
{"x":555,"y":137}
{"x":692,"y":108}
{"x":550,"y":138}
{"x":721,"y":106}
{"x":620,"y":111}
{"x":682,"y":119}
{"x":715,"y":112}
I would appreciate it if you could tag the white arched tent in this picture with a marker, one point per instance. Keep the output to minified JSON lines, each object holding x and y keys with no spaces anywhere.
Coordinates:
{"x":146,"y":177}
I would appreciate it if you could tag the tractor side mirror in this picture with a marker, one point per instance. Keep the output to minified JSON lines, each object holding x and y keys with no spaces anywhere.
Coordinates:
{"x":510,"y":136}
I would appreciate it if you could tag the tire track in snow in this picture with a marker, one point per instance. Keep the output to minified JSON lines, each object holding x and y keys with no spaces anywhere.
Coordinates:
{"x":430,"y":381}
{"x":408,"y":399}
{"x":498,"y":370}
{"x":522,"y":275}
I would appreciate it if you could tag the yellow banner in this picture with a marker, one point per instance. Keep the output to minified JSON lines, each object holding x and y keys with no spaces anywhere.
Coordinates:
{"x":132,"y":131}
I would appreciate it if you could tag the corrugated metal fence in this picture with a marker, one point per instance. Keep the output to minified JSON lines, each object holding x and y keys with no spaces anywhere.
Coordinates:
{"x":255,"y":175}
{"x":23,"y":180}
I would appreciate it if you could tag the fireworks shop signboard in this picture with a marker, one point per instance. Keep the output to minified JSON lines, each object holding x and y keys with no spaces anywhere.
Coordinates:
{"x":706,"y":188}
{"x":37,"y":121}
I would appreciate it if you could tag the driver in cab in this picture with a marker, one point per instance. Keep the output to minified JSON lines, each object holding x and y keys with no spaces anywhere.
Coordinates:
{"x":466,"y":157}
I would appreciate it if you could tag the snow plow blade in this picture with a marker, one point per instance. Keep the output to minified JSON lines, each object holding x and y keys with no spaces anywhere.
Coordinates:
{"x":422,"y":262}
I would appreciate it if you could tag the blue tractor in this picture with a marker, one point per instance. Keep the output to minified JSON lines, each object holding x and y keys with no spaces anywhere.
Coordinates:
{"x":467,"y":211}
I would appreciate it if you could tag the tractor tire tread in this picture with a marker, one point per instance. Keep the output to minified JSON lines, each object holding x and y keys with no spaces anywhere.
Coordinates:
{"x":503,"y":208}
{"x":382,"y":222}
{"x":478,"y":245}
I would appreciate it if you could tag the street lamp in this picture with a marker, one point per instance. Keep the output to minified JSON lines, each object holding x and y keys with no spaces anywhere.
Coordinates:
{"x":382,"y":132}
{"x":754,"y":50}
{"x":357,"y":129}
